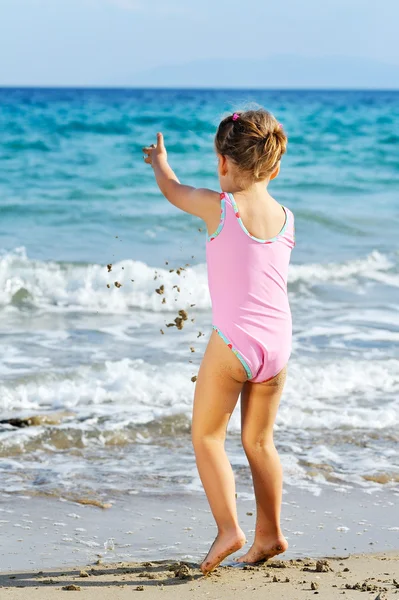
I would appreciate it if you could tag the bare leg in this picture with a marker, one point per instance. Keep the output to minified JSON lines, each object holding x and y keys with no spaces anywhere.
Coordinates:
{"x":219,"y":383}
{"x":259,"y":404}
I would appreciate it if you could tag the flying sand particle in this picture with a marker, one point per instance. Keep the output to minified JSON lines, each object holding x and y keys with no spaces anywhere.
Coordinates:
{"x":192,"y":349}
{"x":194,"y":379}
{"x":163,"y":301}
{"x":109,"y":267}
{"x":108,"y":286}
{"x":160,"y":290}
{"x":183,"y":314}
{"x":117,"y":284}
{"x":162,"y":331}
{"x":179,"y":322}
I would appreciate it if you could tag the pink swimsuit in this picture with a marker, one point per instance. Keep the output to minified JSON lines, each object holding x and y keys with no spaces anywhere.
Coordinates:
{"x":248,"y":286}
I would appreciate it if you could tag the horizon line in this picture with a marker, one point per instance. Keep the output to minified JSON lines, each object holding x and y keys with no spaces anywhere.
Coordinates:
{"x":196,"y":89}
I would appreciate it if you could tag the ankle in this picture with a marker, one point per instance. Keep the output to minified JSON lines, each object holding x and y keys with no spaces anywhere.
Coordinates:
{"x":230,"y":529}
{"x":269,"y":533}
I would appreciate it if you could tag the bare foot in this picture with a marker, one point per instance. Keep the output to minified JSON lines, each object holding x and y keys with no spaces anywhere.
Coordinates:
{"x":224,"y":544}
{"x":263,"y":550}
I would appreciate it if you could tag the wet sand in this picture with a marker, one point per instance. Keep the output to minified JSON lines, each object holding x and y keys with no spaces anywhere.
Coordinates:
{"x":358,"y":576}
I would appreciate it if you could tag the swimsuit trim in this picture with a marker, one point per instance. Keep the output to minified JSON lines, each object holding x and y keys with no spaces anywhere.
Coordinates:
{"x":222,"y":219}
{"x":261,"y":241}
{"x":238,"y":355}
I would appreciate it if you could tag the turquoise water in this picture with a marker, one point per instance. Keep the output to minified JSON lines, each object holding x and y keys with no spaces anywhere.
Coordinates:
{"x":76,"y":195}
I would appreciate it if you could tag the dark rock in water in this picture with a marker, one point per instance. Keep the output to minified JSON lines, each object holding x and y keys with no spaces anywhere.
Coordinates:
{"x":34,"y":421}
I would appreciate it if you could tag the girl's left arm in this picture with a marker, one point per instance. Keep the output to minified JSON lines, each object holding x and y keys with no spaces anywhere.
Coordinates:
{"x":201,"y":202}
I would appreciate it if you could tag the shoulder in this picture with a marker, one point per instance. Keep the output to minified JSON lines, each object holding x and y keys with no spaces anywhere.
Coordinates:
{"x":209,"y":196}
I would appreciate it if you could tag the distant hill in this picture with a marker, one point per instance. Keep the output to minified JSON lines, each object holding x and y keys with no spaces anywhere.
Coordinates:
{"x":273,"y":72}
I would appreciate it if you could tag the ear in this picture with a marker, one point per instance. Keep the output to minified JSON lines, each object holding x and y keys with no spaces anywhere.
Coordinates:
{"x":275,"y":172}
{"x":222,"y":164}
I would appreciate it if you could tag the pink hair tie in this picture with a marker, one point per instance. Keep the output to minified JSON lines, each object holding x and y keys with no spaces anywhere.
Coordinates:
{"x":280,"y":125}
{"x":236,"y":116}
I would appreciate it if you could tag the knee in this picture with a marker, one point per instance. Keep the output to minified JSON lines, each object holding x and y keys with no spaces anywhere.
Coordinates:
{"x":203,"y":439}
{"x":255,"y":444}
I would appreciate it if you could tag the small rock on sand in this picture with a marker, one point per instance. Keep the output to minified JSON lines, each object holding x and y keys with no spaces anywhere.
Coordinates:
{"x":183,"y":572}
{"x":277,"y":564}
{"x":83,"y":574}
{"x":323,"y":566}
{"x":314,"y":585}
{"x":72,"y":588}
{"x":139,"y":588}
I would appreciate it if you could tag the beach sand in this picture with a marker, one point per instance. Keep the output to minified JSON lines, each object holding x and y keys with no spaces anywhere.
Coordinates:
{"x":366,"y":576}
{"x":39,"y":534}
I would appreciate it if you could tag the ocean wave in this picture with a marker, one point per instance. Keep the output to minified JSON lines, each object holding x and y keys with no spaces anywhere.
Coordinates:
{"x":69,"y":286}
{"x":113,"y":396}
{"x":83,"y":287}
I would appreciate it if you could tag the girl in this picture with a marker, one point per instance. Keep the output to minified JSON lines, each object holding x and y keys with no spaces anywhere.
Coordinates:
{"x":248,"y":251}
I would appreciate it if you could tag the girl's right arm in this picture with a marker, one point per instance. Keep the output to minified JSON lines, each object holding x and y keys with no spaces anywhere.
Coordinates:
{"x":200,"y":202}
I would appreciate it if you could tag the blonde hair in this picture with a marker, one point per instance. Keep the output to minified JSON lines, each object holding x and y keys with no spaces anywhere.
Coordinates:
{"x":254,"y":140}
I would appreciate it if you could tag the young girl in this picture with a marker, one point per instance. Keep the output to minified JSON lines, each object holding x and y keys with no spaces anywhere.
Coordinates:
{"x":248,"y":251}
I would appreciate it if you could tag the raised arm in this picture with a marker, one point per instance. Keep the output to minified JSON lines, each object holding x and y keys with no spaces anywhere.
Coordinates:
{"x":196,"y":201}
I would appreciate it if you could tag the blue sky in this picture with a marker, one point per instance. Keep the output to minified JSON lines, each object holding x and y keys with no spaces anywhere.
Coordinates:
{"x":112,"y":42}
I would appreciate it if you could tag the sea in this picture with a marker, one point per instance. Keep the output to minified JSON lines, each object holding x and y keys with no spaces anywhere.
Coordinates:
{"x":85,"y":347}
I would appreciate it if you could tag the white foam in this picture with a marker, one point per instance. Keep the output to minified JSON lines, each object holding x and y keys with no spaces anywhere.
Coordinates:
{"x":67,"y":287}
{"x":325,"y":394}
{"x":84,"y":287}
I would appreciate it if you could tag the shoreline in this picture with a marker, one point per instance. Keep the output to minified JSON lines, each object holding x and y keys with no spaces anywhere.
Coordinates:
{"x":41,"y":533}
{"x":375,"y":573}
